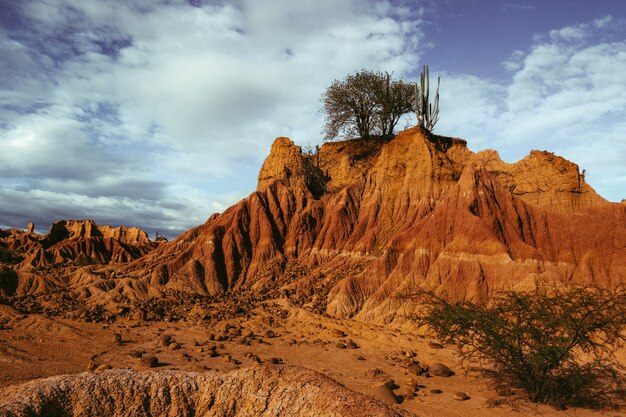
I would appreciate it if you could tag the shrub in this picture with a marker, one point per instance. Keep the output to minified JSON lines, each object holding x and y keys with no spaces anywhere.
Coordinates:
{"x":553,"y":345}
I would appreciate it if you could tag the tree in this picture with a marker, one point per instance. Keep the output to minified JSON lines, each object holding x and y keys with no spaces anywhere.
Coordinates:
{"x":365,"y":104}
{"x":553,"y":345}
{"x":395,"y":99}
{"x":427,"y":113}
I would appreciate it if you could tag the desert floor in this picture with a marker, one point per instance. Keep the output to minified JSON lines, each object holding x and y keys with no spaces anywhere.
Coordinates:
{"x":35,"y":346}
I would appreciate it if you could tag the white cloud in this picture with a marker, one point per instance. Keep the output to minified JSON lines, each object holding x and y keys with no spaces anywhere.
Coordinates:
{"x":566,"y":94}
{"x":182,"y":100}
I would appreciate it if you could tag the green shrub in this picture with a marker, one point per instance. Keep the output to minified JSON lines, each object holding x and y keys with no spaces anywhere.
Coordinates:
{"x":556,"y":346}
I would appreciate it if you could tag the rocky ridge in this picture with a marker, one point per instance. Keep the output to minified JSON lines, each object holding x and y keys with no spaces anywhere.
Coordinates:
{"x":355,"y":229}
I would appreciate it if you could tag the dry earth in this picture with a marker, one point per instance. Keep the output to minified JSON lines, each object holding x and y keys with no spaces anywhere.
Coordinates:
{"x":275,"y":335}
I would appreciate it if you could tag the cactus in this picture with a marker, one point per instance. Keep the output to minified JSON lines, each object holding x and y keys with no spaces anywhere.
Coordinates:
{"x":427,"y":113}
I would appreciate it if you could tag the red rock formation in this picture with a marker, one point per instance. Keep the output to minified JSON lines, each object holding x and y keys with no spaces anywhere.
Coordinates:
{"x":371,"y":221}
{"x":76,"y":241}
{"x":412,"y":211}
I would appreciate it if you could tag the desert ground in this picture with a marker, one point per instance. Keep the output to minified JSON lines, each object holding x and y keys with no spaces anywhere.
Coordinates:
{"x":362,"y":357}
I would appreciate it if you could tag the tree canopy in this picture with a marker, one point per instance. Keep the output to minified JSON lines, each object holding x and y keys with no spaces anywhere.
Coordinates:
{"x":366,"y":104}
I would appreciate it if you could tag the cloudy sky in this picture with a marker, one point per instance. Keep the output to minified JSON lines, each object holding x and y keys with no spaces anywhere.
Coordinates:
{"x":157,"y":113}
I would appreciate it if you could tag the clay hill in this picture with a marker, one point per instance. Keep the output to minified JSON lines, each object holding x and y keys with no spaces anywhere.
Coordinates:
{"x":33,"y":263}
{"x":355,"y":229}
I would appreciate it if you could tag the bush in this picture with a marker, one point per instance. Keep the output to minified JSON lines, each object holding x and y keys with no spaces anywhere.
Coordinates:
{"x":555,"y":345}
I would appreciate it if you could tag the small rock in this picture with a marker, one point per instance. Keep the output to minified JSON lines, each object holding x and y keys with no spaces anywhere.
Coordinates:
{"x":270,"y":334}
{"x":460,"y":396}
{"x":435,"y":345}
{"x":504,"y":391}
{"x":149,"y":361}
{"x":136,"y":354}
{"x":387,"y":395}
{"x":390,"y":383}
{"x":227,"y":358}
{"x":247,"y":333}
{"x":174,"y":346}
{"x":103,"y":367}
{"x":337,"y":333}
{"x":340,"y":345}
{"x":165,"y":339}
{"x":435,"y":391}
{"x":351,"y":344}
{"x":117,"y":338}
{"x":439,"y":369}
{"x":274,"y":361}
{"x":92,"y":366}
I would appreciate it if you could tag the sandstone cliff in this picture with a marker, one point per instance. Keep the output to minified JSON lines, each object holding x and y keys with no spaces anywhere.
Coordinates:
{"x":356,"y":228}
{"x":69,"y":243}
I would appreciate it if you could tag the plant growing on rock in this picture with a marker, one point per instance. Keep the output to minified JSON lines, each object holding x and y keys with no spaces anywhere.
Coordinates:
{"x":365,"y":104}
{"x":556,"y":346}
{"x":427,"y":113}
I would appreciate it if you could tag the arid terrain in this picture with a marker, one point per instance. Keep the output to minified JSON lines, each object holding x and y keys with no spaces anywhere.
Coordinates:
{"x":297,"y":300}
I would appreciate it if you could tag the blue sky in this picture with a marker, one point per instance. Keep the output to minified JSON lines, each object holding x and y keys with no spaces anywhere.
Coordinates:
{"x":159,"y":113}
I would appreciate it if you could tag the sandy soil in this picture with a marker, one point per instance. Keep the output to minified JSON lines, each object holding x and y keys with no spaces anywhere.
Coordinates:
{"x":34,"y":346}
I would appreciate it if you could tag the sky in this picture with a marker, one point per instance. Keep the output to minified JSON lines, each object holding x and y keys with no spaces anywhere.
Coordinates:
{"x":158,"y":113}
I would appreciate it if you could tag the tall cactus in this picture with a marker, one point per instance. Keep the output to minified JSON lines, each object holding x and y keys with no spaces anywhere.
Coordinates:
{"x":427,"y":113}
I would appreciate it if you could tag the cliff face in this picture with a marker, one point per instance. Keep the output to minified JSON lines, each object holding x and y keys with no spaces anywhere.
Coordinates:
{"x":372,"y":221}
{"x":366,"y":223}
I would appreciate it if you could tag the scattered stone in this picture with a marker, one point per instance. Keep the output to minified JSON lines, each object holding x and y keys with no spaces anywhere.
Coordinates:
{"x":391,"y":384}
{"x":136,"y":354}
{"x":174,"y":346}
{"x":92,"y":366}
{"x":435,"y":391}
{"x":270,"y":334}
{"x":149,"y":361}
{"x":212,"y":354}
{"x":337,"y":333}
{"x":165,"y":339}
{"x":435,"y":345}
{"x":504,"y":391}
{"x":340,"y":345}
{"x":360,"y":357}
{"x":351,"y":344}
{"x":461,"y":396}
{"x":387,"y":395}
{"x":274,"y":361}
{"x":439,"y":369}
{"x":227,"y":358}
{"x":117,"y":338}
{"x":247,"y":333}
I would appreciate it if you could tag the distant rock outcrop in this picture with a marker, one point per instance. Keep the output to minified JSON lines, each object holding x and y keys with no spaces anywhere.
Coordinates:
{"x":69,"y":243}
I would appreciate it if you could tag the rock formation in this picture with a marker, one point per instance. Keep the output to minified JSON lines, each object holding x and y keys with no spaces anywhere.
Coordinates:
{"x":261,"y":391}
{"x":69,"y":243}
{"x":356,"y":228}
